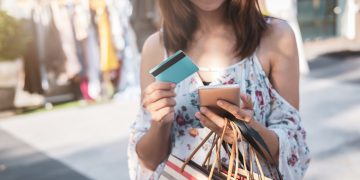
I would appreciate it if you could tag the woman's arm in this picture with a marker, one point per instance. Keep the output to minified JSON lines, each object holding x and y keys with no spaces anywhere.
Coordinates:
{"x":154,"y":146}
{"x":158,"y":100}
{"x":280,"y":47}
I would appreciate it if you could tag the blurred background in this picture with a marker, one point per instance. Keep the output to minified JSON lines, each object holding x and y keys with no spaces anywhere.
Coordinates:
{"x":69,"y":85}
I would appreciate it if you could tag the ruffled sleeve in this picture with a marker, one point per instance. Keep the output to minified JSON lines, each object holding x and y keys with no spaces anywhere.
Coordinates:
{"x":137,"y":131}
{"x":285,"y":121}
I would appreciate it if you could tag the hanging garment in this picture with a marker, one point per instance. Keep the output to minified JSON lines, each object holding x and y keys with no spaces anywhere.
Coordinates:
{"x":108,"y":58}
{"x":92,"y":56}
{"x":32,"y":73}
{"x":64,"y":25}
{"x":36,"y":76}
{"x":116,"y":18}
{"x":84,"y":87}
{"x":86,"y":37}
{"x":55,"y":58}
{"x":125,"y":40}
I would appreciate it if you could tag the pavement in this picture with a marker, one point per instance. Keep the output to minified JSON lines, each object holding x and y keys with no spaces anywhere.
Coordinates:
{"x":90,"y":142}
{"x":330,"y":98}
{"x":72,"y":144}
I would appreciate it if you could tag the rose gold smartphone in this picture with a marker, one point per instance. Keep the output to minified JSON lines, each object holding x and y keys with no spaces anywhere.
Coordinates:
{"x":209,"y":95}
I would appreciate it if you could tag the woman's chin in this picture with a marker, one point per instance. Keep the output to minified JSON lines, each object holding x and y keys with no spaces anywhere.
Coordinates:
{"x":208,"y":5}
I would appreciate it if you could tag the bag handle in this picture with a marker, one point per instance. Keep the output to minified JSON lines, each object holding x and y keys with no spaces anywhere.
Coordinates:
{"x":243,"y":130}
{"x":253,"y":138}
{"x":195,"y":151}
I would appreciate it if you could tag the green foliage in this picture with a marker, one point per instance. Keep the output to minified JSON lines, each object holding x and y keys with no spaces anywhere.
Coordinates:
{"x":13,"y":38}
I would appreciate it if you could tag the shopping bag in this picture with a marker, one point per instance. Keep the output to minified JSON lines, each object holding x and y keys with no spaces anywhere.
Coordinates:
{"x":239,"y":168}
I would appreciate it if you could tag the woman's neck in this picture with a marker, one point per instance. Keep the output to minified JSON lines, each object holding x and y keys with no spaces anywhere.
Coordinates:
{"x":210,"y":20}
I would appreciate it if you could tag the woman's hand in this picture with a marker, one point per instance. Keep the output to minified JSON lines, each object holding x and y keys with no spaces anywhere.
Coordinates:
{"x":216,"y":123}
{"x":159,"y":100}
{"x":154,"y":146}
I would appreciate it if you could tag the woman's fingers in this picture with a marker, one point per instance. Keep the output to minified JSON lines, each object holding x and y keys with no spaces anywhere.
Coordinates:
{"x":163,"y":112}
{"x":157,"y":95}
{"x":244,"y":113}
{"x":219,"y":121}
{"x":229,"y":134}
{"x":159,"y":100}
{"x":246,"y":101}
{"x":233,"y":109}
{"x":207,"y":122}
{"x":158,"y":86}
{"x":164,"y":102}
{"x":156,"y":91}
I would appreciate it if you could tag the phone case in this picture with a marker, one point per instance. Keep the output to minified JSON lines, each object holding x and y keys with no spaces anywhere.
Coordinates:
{"x":209,"y":95}
{"x":175,"y":68}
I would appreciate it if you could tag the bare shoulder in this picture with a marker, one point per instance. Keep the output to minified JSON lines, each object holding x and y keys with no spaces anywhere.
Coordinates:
{"x":278,"y":26}
{"x":280,"y":40}
{"x":153,"y":50}
{"x":279,"y":37}
{"x":151,"y":55}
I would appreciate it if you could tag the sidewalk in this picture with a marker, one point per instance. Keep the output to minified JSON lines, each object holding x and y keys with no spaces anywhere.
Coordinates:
{"x":330,"y":113}
{"x":72,"y":144}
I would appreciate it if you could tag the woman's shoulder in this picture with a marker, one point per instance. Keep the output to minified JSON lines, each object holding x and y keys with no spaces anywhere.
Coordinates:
{"x":279,"y":31}
{"x":153,"y":51}
{"x":278,"y":39}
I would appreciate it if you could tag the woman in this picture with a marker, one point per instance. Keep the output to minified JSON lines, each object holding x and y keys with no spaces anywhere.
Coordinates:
{"x":232,"y":43}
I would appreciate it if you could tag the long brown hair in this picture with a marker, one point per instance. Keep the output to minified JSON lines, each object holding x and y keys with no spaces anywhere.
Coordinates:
{"x":180,"y":22}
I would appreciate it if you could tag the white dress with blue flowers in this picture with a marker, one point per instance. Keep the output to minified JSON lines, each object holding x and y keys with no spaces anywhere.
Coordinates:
{"x":270,"y":108}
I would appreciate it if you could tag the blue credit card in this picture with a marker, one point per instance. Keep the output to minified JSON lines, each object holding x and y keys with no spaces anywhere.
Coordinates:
{"x":174,"y":69}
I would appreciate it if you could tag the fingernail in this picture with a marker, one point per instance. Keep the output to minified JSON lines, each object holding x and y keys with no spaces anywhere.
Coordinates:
{"x":197,"y":114}
{"x":220,"y":103}
{"x":203,"y":109}
{"x":173,"y":85}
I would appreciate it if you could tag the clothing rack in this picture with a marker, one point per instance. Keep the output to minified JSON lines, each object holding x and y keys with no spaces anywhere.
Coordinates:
{"x":74,"y":52}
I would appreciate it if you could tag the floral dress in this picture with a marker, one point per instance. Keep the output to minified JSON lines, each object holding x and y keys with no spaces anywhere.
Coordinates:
{"x":270,"y":109}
